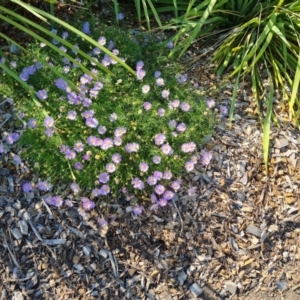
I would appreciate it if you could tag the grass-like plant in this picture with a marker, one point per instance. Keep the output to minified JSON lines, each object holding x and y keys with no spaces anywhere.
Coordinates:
{"x":253,"y":38}
{"x":134,"y":134}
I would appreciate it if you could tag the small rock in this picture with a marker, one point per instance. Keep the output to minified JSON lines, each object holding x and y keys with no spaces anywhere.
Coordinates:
{"x":195,"y":289}
{"x":18,"y":296}
{"x":282,"y":285}
{"x":16,"y":233}
{"x":281,"y":143}
{"x":182,"y":277}
{"x":76,"y":259}
{"x":241,"y":196}
{"x":254,"y":230}
{"x":86,"y":250}
{"x":23,"y":227}
{"x":231,"y":287}
{"x":78,"y":267}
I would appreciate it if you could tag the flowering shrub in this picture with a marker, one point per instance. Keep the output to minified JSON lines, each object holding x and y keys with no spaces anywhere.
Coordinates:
{"x":110,"y":135}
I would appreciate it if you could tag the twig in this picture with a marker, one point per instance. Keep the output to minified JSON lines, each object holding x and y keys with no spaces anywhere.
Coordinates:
{"x":179,"y":215}
{"x":10,"y":252}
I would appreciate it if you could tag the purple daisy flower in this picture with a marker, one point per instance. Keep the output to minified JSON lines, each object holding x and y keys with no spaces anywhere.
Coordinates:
{"x":158,"y":175}
{"x":78,"y":166}
{"x":72,"y":115}
{"x":159,"y":139}
{"x":132,"y":147}
{"x":157,"y":74}
{"x":91,"y":122}
{"x":86,"y":28}
{"x":188,"y":147}
{"x":27,"y":187}
{"x":168,"y":195}
{"x":140,"y":74}
{"x":78,"y":146}
{"x":182,"y":78}
{"x":96,"y":51}
{"x":17,"y":159}
{"x":163,"y":202}
{"x":88,"y":114}
{"x":159,"y":189}
{"x":102,"y":129}
{"x":117,"y":141}
{"x":49,"y":200}
{"x":91,"y":140}
{"x":110,"y":167}
{"x":181,"y":127}
{"x":224,"y":110}
{"x":151,"y":180}
{"x":165,"y":94}
{"x":69,"y":203}
{"x":48,"y":122}
{"x":24,"y":76}
{"x":175,"y":185}
{"x":192,"y":191}
{"x":103,"y":177}
{"x":65,"y":35}
{"x":143,"y":166}
{"x":113,"y":117}
{"x":206,"y":157}
{"x":120,"y":16}
{"x":185,"y":106}
{"x":160,"y":82}
{"x":43,"y":186}
{"x":167,"y":175}
{"x":73,"y":98}
{"x":137,"y":183}
{"x":145,"y":89}
{"x":70,"y":154}
{"x":161,"y":112}
{"x":167,"y":149}
{"x":42,"y":94}
{"x":189,"y":166}
{"x":61,"y":84}
{"x":85,"y":79}
{"x":57,"y":201}
{"x":102,"y":40}
{"x":87,"y":204}
{"x":32,"y":123}
{"x":210,"y":103}
{"x":139,"y":65}
{"x":12,"y":138}
{"x":170,"y":45}
{"x":120,"y":131}
{"x":172,"y":123}
{"x":156,"y":159}
{"x":107,"y":143}
{"x":75,"y":188}
{"x":116,"y":158}
{"x":174,"y":104}
{"x":137,"y":210}
{"x":87,"y":102}
{"x":147,"y":105}
{"x":104,"y":190}
{"x":49,"y":132}
{"x":102,"y":222}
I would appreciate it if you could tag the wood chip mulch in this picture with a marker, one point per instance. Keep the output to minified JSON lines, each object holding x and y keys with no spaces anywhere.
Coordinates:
{"x":236,"y":237}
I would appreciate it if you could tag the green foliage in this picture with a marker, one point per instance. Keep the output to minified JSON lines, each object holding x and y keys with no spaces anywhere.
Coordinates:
{"x":40,"y":33}
{"x":121,"y":95}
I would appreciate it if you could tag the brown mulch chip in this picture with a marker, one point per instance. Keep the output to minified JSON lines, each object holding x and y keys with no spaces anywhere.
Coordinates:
{"x":236,"y":237}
